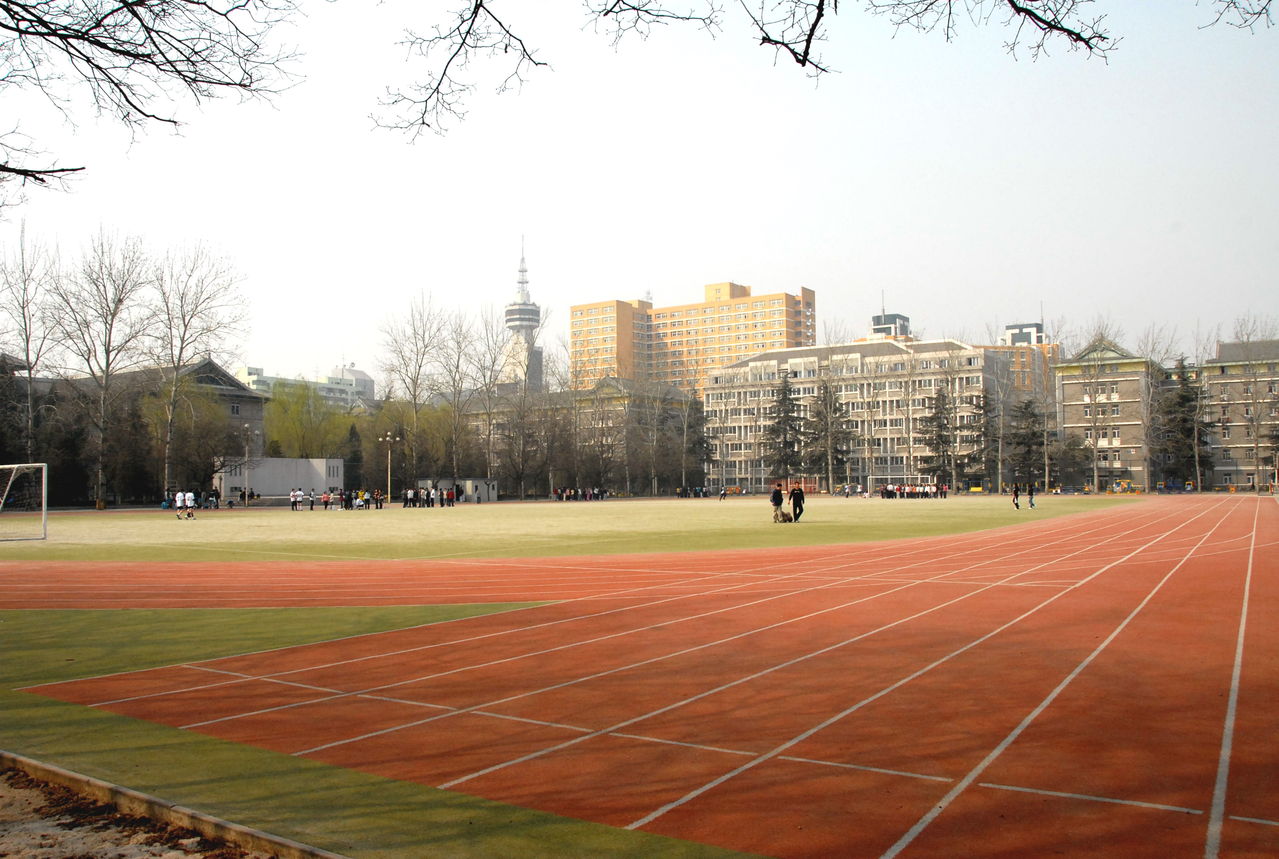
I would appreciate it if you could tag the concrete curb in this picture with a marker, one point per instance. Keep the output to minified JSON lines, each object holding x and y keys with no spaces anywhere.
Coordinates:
{"x":140,"y":804}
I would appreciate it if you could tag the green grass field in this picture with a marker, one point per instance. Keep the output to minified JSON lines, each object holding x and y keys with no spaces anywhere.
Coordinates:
{"x":334,"y":808}
{"x":515,"y":529}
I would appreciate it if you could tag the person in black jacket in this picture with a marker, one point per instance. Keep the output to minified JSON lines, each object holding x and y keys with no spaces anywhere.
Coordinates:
{"x":797,"y":501}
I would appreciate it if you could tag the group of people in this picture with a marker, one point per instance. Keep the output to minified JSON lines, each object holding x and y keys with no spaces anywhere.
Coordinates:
{"x":183,"y":503}
{"x":1030,"y":496}
{"x":433,"y":496}
{"x":777,"y":498}
{"x":342,"y":499}
{"x":569,"y":493}
{"x":914,"y":490}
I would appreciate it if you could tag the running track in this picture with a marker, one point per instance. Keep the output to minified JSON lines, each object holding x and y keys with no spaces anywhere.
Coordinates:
{"x":1097,"y":685}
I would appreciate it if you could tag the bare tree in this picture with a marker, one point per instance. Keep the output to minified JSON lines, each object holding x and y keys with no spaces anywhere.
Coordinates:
{"x":455,"y":376}
{"x":134,"y":58}
{"x":26,"y":279}
{"x":197,"y":307}
{"x":1203,"y":343}
{"x":409,"y":346}
{"x":1255,"y":338}
{"x":102,"y":322}
{"x":487,"y":355}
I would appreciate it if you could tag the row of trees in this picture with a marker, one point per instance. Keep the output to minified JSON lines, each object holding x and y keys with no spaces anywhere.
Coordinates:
{"x":91,"y":322}
{"x":98,"y":382}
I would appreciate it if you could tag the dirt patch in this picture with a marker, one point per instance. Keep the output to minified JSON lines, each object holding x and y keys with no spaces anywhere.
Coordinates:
{"x":39,"y":820}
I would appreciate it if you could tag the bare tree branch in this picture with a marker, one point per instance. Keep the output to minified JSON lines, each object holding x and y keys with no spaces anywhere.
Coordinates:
{"x":134,"y":57}
{"x":476,"y":32}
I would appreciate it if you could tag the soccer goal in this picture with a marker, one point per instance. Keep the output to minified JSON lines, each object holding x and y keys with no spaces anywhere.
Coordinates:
{"x":24,"y":505}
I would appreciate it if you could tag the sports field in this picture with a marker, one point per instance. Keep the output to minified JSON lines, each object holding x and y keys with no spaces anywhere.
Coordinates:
{"x":680,"y":677}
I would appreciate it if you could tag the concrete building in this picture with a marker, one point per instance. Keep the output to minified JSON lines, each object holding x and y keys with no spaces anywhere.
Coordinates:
{"x":1106,"y":396}
{"x":1241,"y":385}
{"x":345,"y":387}
{"x":682,"y":345}
{"x":887,"y":384}
{"x":275,"y":477}
{"x":1030,"y":360}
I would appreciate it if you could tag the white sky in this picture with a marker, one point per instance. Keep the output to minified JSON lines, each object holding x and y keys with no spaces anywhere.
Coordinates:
{"x":965,"y":186}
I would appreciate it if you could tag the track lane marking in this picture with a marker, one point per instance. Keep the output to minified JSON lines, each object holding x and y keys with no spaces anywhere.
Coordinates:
{"x":778,"y":750}
{"x":1212,"y":844}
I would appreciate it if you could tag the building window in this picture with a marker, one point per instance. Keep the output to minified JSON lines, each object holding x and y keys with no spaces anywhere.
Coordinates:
{"x":235,"y":408}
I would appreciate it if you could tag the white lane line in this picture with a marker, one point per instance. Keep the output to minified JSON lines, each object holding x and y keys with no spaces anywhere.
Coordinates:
{"x":1091,"y":798}
{"x":1212,"y":844}
{"x":764,"y":672}
{"x":859,"y":581}
{"x":973,"y":774}
{"x":902,"y":773}
{"x":1069,"y":537}
{"x":507,"y":718}
{"x":777,"y":751}
{"x":583,"y":679}
{"x":1260,"y":820}
{"x":661,"y":741}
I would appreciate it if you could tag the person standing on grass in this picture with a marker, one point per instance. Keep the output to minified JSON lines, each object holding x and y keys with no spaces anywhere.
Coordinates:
{"x":190,"y":504}
{"x":1030,"y":494}
{"x":797,"y":501}
{"x":723,"y":493}
{"x":1016,"y":496}
{"x":776,"y":500}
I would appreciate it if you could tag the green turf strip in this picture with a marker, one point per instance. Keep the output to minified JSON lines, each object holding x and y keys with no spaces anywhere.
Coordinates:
{"x":330,"y":807}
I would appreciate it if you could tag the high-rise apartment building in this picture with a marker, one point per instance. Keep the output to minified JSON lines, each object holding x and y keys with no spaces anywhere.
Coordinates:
{"x":682,"y":344}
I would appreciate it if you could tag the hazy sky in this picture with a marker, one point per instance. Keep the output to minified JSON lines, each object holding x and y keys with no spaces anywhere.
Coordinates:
{"x":965,"y":186}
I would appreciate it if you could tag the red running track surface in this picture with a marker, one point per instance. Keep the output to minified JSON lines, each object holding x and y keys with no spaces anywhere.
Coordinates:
{"x":1096,"y":685}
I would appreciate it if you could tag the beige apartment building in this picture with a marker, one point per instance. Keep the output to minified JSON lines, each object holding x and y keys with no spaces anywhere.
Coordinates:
{"x":1106,"y":396}
{"x":1241,"y":385}
{"x":683,"y":344}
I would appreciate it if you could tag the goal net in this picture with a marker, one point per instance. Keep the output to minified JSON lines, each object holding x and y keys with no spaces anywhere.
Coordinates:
{"x":24,"y":509}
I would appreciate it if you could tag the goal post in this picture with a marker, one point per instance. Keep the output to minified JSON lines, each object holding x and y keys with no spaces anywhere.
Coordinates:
{"x":24,"y":501}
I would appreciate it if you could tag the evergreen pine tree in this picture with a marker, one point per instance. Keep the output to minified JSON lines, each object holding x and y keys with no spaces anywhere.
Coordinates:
{"x":782,"y":436}
{"x":827,"y":438}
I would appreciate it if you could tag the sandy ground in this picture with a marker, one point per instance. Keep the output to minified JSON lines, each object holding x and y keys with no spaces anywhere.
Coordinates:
{"x":43,"y":821}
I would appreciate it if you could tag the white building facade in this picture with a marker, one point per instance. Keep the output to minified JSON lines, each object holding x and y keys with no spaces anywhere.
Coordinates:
{"x":886,"y":385}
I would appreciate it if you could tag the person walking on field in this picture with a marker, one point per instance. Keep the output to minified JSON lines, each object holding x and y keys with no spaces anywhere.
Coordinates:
{"x":1016,"y":496}
{"x":776,"y":500}
{"x":1030,"y":494}
{"x":797,"y":501}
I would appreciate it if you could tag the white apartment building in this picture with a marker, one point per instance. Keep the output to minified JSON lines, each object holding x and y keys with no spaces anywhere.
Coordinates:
{"x":887,"y":384}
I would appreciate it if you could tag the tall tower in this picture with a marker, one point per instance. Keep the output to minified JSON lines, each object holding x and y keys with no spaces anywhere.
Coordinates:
{"x":523,"y":362}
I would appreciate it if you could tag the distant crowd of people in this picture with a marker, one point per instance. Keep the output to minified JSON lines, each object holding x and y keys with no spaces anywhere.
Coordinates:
{"x":914,"y":490}
{"x":569,"y":493}
{"x":437,"y":496}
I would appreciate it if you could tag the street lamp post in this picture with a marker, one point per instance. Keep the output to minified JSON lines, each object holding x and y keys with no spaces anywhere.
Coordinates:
{"x":390,"y":438}
{"x":248,"y":494}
